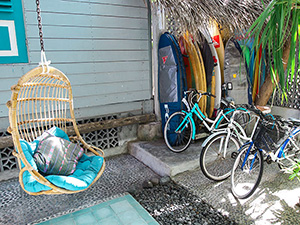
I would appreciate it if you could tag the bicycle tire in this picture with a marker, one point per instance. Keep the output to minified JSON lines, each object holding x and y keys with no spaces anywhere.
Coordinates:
{"x":244,"y":179}
{"x":213,"y":164}
{"x":289,"y":157}
{"x":180,"y":140}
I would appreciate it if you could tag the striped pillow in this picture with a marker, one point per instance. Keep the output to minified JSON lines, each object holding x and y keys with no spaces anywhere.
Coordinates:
{"x":57,"y":156}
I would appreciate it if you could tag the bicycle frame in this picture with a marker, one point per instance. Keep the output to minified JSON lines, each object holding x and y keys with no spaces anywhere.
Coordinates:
{"x":197,"y":111}
{"x":237,"y":129}
{"x":279,"y":154}
{"x":247,"y":155}
{"x":234,"y":128}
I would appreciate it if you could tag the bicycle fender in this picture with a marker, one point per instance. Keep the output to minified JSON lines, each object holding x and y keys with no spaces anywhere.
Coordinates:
{"x":211,"y":137}
{"x":193,"y":124}
{"x":249,"y":142}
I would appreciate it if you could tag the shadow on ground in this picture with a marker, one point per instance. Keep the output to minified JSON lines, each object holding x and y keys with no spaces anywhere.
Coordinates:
{"x":272,"y":203}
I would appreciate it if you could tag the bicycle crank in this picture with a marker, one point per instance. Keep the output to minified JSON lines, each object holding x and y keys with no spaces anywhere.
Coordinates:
{"x":234,"y":155}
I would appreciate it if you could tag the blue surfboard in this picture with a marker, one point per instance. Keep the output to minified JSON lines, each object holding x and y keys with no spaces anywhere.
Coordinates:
{"x":171,"y":77}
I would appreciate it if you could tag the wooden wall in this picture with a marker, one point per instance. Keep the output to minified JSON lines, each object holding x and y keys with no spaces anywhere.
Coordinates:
{"x":103,"y":46}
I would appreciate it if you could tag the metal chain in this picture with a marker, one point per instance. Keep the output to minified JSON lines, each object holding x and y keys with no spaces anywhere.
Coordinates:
{"x":39,"y":18}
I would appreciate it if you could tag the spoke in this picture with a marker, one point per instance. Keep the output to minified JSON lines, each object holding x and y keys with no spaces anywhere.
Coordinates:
{"x":221,"y":144}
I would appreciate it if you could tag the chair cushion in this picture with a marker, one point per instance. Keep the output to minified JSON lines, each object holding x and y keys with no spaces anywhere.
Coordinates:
{"x":57,"y":156}
{"x":86,"y":171}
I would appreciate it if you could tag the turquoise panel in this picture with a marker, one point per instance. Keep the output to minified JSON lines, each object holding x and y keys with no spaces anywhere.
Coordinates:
{"x":4,"y":39}
{"x":119,"y":211}
{"x":15,"y":14}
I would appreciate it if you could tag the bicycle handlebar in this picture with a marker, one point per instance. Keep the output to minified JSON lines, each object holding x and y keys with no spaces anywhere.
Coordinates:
{"x":209,"y":94}
{"x":199,"y":92}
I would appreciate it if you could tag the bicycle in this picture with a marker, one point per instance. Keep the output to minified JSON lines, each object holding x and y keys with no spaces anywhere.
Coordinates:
{"x":180,"y":128}
{"x":219,"y":150}
{"x":282,"y":148}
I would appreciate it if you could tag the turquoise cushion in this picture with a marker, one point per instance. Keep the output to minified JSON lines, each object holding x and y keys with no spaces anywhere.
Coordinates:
{"x":86,"y":170}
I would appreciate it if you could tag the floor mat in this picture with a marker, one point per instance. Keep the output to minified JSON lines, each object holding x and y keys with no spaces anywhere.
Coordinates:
{"x":119,"y":211}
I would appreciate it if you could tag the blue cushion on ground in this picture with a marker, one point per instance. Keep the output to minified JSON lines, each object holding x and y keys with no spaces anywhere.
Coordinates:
{"x":86,"y":170}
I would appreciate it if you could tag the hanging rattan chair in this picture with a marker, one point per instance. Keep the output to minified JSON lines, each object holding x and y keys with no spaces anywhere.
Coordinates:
{"x":42,"y":99}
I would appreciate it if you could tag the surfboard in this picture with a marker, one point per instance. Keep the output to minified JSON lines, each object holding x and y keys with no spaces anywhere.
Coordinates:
{"x":208,"y":62}
{"x":202,"y":75}
{"x":171,"y":77}
{"x":219,"y":45}
{"x":259,"y":76}
{"x":235,"y":72}
{"x":255,"y":78}
{"x":217,"y":70}
{"x":192,"y":52}
{"x":213,"y":91}
{"x":246,"y":44}
{"x":263,"y":74}
{"x":187,"y":63}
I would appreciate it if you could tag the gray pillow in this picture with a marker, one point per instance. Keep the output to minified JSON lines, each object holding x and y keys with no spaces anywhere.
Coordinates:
{"x":57,"y":156}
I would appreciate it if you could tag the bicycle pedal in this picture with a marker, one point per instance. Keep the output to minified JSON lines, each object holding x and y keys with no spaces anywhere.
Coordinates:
{"x":268,"y":159}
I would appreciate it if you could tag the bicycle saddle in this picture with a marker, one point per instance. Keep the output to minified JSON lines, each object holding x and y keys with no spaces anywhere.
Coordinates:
{"x":264,"y":109}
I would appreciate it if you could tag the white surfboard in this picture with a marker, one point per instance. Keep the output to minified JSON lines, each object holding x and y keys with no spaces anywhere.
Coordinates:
{"x":216,"y":68}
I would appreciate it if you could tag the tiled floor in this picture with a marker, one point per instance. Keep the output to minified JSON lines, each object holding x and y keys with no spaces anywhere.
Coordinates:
{"x":120,"y":211}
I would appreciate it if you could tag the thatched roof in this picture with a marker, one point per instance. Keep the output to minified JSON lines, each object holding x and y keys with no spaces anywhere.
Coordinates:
{"x":230,"y":14}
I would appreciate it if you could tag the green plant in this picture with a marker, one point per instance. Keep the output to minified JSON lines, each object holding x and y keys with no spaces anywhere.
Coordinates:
{"x":294,"y":171}
{"x":279,"y":26}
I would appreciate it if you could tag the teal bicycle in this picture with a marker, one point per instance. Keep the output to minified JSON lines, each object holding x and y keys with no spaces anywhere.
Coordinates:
{"x":180,"y":128}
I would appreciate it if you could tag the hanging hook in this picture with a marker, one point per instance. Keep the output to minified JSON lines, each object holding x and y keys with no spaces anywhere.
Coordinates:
{"x":44,"y":63}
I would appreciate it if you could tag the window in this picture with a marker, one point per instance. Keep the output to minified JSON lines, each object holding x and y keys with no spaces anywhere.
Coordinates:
{"x":13,"y":47}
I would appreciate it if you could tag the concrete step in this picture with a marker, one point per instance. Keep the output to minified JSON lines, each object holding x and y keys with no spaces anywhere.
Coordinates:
{"x":157,"y":156}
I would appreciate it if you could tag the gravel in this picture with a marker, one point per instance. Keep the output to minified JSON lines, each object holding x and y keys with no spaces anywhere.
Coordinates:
{"x":170,"y":203}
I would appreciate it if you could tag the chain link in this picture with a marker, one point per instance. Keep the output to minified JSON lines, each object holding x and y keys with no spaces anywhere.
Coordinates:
{"x":39,"y":18}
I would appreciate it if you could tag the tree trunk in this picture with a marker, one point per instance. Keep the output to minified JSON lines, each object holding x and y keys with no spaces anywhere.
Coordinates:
{"x":268,"y":86}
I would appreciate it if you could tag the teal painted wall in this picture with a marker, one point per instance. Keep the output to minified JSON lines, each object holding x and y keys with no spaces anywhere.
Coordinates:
{"x":103,"y":46}
{"x":13,"y":47}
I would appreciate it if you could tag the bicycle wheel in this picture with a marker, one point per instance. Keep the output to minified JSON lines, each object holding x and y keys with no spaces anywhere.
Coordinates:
{"x":178,"y":132}
{"x":246,"y":172}
{"x":217,"y":157}
{"x":291,"y":153}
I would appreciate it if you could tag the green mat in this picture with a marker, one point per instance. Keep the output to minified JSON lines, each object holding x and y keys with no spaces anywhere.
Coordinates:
{"x":119,"y":211}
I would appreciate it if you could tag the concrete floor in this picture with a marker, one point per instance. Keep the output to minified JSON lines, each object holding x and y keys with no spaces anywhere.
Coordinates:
{"x":273,"y":202}
{"x":122,"y":173}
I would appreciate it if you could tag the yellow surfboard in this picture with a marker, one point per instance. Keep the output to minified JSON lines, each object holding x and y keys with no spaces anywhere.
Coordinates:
{"x":213,"y":91}
{"x":202,"y":77}
{"x":192,"y":52}
{"x":219,"y":45}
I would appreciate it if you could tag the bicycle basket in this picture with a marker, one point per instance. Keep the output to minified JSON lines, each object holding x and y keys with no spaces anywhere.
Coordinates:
{"x":267,"y":134}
